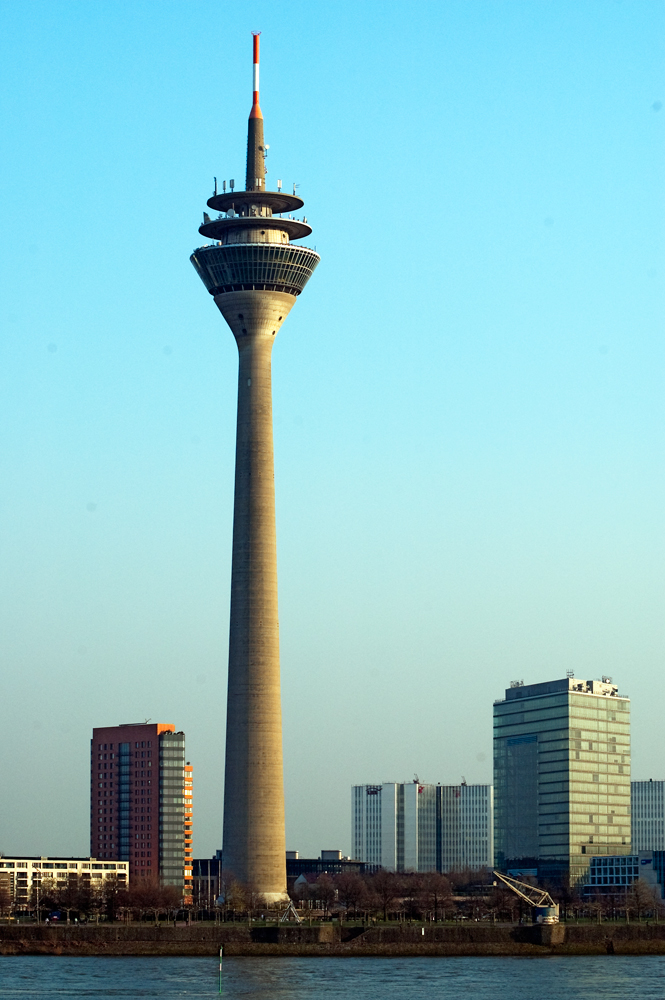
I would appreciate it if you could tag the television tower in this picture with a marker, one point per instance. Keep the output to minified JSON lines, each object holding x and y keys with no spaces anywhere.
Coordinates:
{"x":254,"y":274}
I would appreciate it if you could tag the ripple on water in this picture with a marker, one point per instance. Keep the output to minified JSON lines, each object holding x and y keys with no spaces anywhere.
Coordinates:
{"x":614,"y":977}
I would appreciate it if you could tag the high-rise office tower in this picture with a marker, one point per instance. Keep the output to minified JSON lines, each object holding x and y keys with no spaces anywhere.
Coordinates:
{"x":255,"y":275}
{"x":421,"y":827}
{"x":647,"y":814}
{"x":465,"y":825}
{"x":141,"y":801}
{"x":561,"y":776}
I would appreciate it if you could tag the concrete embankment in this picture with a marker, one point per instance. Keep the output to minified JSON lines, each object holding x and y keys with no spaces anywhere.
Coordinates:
{"x":328,"y":939}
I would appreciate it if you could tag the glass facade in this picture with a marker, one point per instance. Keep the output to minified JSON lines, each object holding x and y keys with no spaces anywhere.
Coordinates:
{"x":124,"y":799}
{"x":465,"y":835}
{"x":366,"y":832}
{"x":647,"y":801}
{"x":419,"y":827}
{"x":561,"y":776}
{"x":172,"y":808}
{"x":259,"y":266}
{"x":612,"y":876}
{"x":613,"y":873}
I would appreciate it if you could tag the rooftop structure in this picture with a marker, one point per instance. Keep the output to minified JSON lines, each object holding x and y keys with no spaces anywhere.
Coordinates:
{"x":254,"y":274}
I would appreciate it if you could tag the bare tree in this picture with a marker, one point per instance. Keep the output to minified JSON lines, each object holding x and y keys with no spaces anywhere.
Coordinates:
{"x":324,"y":888}
{"x":5,"y":895}
{"x":597,"y":906}
{"x":351,"y":890}
{"x":67,"y":895}
{"x":48,"y":893}
{"x":640,"y":898}
{"x":301,"y":893}
{"x":235,"y":896}
{"x":170,"y":898}
{"x":461,"y":878}
{"x":436,"y":893}
{"x":411,"y":893}
{"x":146,"y":896}
{"x":88,"y":897}
{"x":386,"y":887}
{"x":502,"y":902}
{"x":115,"y":895}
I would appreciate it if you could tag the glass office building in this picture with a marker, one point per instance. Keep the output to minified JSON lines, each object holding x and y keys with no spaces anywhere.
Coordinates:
{"x":561,"y":776}
{"x":394,"y":825}
{"x":420,"y":827}
{"x":647,"y":801}
{"x":465,"y":827}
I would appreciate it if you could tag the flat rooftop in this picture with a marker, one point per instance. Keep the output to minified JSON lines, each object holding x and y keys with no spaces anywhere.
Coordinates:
{"x":604,"y":688}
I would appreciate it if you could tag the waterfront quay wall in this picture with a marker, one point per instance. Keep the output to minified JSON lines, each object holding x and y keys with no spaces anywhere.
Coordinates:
{"x":331,"y":939}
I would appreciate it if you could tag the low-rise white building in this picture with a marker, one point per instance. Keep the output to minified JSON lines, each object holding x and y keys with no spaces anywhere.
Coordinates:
{"x":22,"y":876}
{"x":420,"y":827}
{"x":614,"y":875}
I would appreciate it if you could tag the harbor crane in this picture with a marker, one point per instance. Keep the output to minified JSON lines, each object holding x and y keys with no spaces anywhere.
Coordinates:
{"x":543,"y":908}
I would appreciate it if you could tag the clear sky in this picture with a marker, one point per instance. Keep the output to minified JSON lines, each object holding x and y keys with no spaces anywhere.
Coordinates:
{"x":468,"y":396}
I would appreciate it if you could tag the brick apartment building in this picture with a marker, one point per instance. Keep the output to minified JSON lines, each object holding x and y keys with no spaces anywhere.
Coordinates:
{"x":141,"y":801}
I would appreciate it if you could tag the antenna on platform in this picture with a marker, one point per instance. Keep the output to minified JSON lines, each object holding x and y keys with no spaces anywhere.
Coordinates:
{"x":295,"y":186}
{"x":215,"y":180}
{"x":279,"y":185}
{"x":224,"y":186}
{"x":232,"y":184}
{"x":256,"y":110}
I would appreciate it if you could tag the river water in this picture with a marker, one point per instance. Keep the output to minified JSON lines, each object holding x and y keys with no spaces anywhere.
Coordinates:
{"x":571,"y":978}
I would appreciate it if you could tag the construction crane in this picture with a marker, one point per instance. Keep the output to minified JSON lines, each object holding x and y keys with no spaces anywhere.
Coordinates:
{"x":543,"y":908}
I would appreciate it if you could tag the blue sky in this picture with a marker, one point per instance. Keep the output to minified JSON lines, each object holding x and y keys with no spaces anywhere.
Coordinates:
{"x":468,"y":397}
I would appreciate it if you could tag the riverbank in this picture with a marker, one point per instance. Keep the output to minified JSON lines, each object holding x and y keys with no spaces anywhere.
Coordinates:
{"x":332,"y":940}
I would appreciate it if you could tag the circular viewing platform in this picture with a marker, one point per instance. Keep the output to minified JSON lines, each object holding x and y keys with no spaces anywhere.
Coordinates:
{"x":276,"y":201}
{"x":235,"y":267}
{"x":220,"y":229}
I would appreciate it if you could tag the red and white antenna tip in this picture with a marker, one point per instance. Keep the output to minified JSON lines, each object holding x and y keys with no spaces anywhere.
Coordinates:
{"x":256,"y":110}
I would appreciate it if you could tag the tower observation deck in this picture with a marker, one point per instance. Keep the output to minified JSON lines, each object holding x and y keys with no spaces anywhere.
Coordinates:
{"x":255,"y":274}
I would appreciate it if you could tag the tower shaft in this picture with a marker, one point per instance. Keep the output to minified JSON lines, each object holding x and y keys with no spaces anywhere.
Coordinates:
{"x":254,"y":846}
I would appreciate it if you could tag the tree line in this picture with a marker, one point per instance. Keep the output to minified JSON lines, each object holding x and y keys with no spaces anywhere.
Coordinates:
{"x":430,"y":896}
{"x":79,"y":899}
{"x":383,"y":895}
